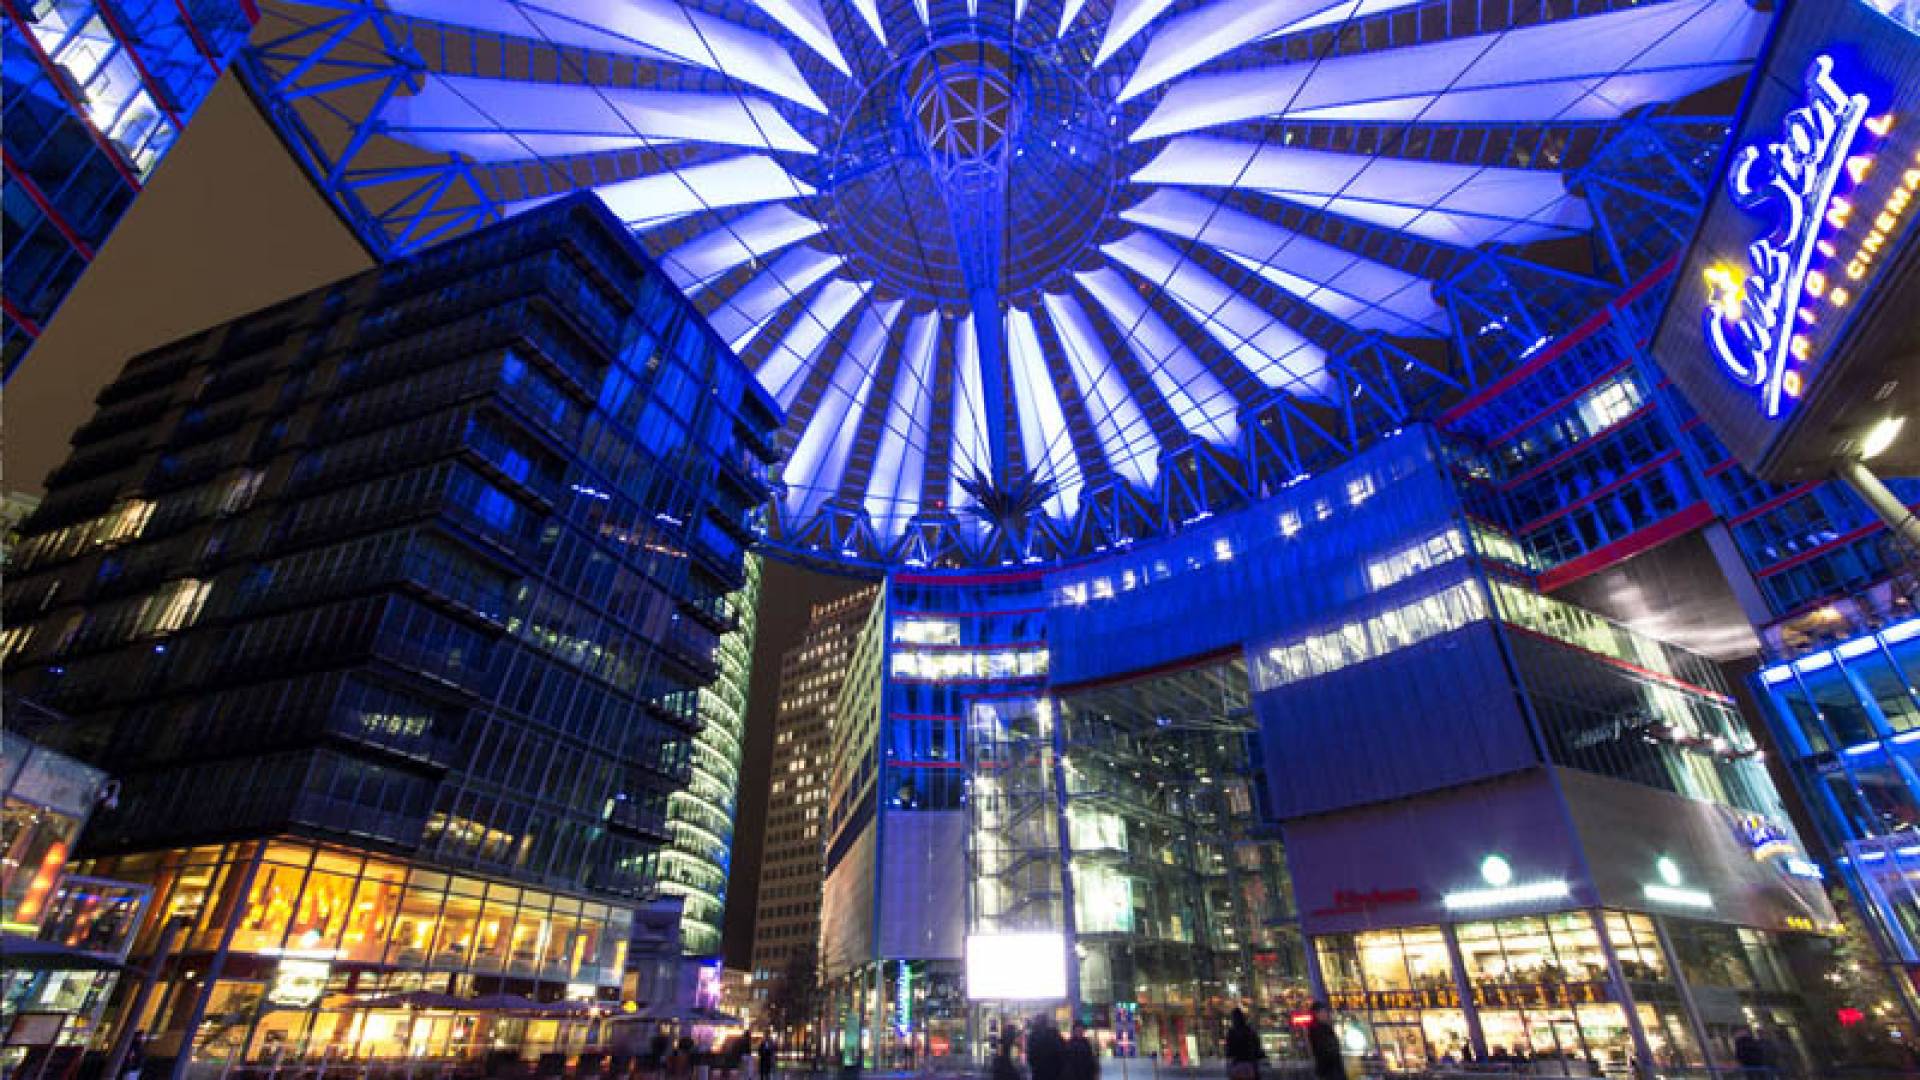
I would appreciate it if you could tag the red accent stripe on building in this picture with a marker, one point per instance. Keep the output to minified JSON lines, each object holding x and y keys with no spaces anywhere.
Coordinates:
{"x":199,"y":42}
{"x":1667,"y":528}
{"x":1553,"y":352}
{"x":1654,"y":277}
{"x":32,"y":328}
{"x":1842,"y":540}
{"x":1584,"y":444}
{"x":39,"y":199}
{"x":154,"y":89}
{"x":252,"y":9}
{"x":1599,"y":492}
{"x":999,"y":577}
{"x":1548,"y":355}
{"x":59,"y":79}
{"x":1774,"y":503}
{"x":1562,"y":403}
{"x":1636,"y":669}
{"x":918,"y":614}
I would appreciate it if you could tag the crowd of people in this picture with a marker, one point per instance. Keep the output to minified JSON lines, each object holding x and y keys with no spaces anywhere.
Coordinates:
{"x":1049,"y":1055}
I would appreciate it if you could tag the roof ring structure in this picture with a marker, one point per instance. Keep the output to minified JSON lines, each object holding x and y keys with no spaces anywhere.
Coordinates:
{"x":1034,"y":278}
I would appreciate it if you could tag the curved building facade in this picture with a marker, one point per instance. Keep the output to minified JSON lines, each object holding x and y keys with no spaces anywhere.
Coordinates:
{"x":700,"y":816}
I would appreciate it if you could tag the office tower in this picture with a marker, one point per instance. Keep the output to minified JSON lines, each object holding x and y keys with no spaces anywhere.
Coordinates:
{"x":787,"y":921}
{"x":700,"y":816}
{"x":390,"y":607}
{"x":97,"y":92}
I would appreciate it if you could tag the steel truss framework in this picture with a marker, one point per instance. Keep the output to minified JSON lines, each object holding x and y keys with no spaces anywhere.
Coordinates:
{"x":876,"y":352}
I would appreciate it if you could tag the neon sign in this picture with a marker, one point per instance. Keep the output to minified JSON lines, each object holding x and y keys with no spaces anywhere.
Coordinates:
{"x":1754,"y":323}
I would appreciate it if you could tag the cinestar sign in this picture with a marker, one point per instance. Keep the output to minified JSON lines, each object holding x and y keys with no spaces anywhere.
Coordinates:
{"x":1753,"y":320}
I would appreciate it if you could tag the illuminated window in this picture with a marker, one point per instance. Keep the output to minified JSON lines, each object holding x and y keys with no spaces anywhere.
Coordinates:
{"x":174,"y":607}
{"x":920,"y":631}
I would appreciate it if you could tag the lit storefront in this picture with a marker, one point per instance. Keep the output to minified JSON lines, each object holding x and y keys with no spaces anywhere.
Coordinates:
{"x":1556,"y":935}
{"x":66,"y":936}
{"x":1535,"y":985}
{"x":288,"y":942}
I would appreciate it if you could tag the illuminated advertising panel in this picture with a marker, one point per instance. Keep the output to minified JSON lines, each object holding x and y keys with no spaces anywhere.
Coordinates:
{"x":1024,"y":966}
{"x":1786,"y":324}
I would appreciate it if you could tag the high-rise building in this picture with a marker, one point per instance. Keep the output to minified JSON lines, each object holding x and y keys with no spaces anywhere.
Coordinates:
{"x":391,"y":606}
{"x":97,"y":91}
{"x":787,"y":921}
{"x":1503,"y":820}
{"x":700,"y":816}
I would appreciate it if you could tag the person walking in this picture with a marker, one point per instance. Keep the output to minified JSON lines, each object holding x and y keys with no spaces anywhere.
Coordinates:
{"x":136,"y":1056}
{"x":769,"y":1056}
{"x":1244,"y":1054}
{"x":1754,"y":1056}
{"x":1046,"y":1050}
{"x":1003,"y":1066}
{"x":1082,"y":1062}
{"x":1324,"y":1044}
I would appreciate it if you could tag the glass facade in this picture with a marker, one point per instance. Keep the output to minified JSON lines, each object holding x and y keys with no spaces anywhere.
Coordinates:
{"x":700,"y":817}
{"x":65,"y":935}
{"x":48,"y":798}
{"x":1182,"y":905}
{"x":96,"y":92}
{"x":357,"y":927}
{"x":1848,"y":718}
{"x":1120,"y":726}
{"x":1542,"y":987}
{"x":430,"y":564}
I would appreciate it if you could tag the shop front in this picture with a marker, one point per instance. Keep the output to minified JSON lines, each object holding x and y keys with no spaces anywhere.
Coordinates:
{"x":1492,"y":925}
{"x":297,"y":950}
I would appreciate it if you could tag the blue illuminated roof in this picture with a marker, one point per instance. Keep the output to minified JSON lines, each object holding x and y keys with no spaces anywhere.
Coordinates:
{"x":1033,"y":278}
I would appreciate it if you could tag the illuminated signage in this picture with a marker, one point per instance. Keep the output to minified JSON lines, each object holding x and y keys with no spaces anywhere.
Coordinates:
{"x":1541,"y":995}
{"x":299,"y":983}
{"x":1501,"y":891}
{"x":1765,"y":838}
{"x":1426,"y":997}
{"x":1359,"y":902}
{"x":1756,"y":322}
{"x":1803,"y":868}
{"x":903,"y":999}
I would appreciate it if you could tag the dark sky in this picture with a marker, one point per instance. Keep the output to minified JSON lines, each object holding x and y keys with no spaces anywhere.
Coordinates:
{"x":229,"y":224}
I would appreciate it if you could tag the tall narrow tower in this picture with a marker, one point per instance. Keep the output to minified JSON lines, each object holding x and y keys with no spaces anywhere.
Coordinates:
{"x":787,"y":926}
{"x":700,"y":816}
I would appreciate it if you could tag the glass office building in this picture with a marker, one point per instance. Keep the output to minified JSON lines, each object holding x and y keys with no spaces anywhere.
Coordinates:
{"x":786,"y":928}
{"x":97,"y":92}
{"x":1506,"y":823}
{"x":425,"y":573}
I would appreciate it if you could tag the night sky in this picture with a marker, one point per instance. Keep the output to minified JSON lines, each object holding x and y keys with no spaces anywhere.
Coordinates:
{"x":229,"y":224}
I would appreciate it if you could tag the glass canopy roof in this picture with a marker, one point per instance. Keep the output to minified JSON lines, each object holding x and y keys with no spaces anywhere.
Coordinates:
{"x":1033,"y":278}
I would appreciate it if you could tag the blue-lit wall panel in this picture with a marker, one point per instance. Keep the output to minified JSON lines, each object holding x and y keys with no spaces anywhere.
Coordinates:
{"x":96,"y":93}
{"x":1847,"y":718}
{"x":1291,"y":564}
{"x":1349,"y":738}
